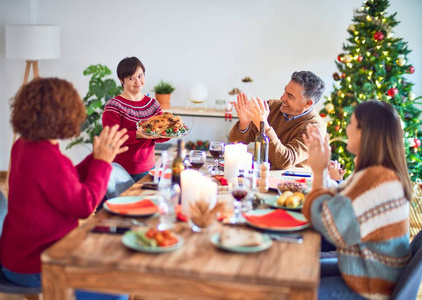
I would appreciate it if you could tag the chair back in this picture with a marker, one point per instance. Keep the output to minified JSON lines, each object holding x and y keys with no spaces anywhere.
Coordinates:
{"x":120,"y":180}
{"x":408,"y":285}
{"x":6,"y":286}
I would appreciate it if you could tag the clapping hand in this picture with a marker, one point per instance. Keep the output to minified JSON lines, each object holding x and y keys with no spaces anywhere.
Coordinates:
{"x":335,"y":170}
{"x":318,"y":153}
{"x":259,"y":111}
{"x":109,"y":143}
{"x":242,"y":108}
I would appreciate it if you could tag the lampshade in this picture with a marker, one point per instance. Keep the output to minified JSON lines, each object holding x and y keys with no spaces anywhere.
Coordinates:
{"x":32,"y":42}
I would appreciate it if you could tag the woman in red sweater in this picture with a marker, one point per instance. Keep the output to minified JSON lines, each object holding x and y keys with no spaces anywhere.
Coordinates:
{"x":126,"y":110}
{"x":47,"y":194}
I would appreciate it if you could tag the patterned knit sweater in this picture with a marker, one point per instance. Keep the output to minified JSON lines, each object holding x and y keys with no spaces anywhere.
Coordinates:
{"x":141,"y":154}
{"x":368,"y":222}
{"x":287,"y":148}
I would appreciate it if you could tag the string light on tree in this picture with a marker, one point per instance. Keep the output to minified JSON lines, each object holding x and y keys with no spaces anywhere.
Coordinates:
{"x":373,"y":65}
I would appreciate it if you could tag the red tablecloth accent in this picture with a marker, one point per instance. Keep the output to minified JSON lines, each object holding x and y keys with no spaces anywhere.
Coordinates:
{"x":223,"y":181}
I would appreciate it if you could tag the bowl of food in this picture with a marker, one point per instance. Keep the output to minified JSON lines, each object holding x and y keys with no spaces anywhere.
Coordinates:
{"x":290,"y":186}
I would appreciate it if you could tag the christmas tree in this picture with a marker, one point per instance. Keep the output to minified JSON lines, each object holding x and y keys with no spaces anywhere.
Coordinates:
{"x":374,"y":65}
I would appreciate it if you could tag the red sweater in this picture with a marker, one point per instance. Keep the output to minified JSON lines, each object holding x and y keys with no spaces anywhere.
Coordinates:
{"x":141,"y":154}
{"x":47,"y":197}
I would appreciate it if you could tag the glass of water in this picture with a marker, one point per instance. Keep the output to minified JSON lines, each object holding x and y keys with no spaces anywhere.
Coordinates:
{"x":168,"y":198}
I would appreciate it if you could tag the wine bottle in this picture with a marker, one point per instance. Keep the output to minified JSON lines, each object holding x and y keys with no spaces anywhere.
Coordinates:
{"x":178,"y":165}
{"x":262,"y":143}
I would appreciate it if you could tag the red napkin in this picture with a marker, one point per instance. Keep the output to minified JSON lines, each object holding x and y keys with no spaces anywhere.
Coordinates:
{"x":166,"y":175}
{"x":180,"y":216}
{"x":142,"y":207}
{"x":276,"y":218}
{"x":223,"y":181}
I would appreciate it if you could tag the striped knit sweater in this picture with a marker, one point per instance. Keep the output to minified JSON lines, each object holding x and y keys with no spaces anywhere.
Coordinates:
{"x":141,"y":154}
{"x":368,"y":222}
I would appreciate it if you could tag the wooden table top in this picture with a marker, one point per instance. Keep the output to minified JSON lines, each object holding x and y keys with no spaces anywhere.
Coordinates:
{"x":95,"y":261}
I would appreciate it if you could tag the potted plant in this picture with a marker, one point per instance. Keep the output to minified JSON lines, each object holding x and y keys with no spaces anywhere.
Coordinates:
{"x":162,"y":93}
{"x":101,"y":89}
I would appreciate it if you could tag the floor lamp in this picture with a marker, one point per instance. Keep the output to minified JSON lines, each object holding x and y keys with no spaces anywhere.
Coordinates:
{"x":31,"y":43}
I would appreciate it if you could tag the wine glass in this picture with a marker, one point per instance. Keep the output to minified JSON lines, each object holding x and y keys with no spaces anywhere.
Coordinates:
{"x":197,"y":159}
{"x":168,"y":198}
{"x":216,"y":151}
{"x":239,"y":188}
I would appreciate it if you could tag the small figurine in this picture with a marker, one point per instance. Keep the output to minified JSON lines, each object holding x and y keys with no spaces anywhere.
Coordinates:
{"x":229,"y":111}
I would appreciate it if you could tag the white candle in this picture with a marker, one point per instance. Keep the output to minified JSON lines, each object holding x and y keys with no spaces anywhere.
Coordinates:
{"x":208,"y":190}
{"x":246,"y":162}
{"x":190,"y":190}
{"x":233,"y":156}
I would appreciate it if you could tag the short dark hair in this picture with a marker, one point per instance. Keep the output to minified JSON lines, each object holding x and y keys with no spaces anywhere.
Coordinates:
{"x":47,"y":108}
{"x":313,"y":86}
{"x":128,"y":66}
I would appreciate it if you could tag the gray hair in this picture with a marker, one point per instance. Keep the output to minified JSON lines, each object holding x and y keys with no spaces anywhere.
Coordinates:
{"x":313,"y":86}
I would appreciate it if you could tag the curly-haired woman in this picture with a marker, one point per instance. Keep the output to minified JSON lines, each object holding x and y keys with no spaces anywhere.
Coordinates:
{"x":47,"y":194}
{"x":126,"y":110}
{"x":367,"y":218}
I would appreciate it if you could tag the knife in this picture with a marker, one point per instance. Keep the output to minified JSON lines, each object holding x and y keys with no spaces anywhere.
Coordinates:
{"x":288,"y":238}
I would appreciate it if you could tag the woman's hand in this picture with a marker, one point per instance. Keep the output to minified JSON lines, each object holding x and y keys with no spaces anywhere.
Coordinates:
{"x":318,"y":154}
{"x":109,"y":143}
{"x":242,"y":108}
{"x":259,"y":111}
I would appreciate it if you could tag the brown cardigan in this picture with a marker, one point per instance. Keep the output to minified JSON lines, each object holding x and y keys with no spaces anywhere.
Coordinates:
{"x":287,"y":148}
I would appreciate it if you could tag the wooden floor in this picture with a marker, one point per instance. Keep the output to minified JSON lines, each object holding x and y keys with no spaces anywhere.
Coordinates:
{"x":19,"y":297}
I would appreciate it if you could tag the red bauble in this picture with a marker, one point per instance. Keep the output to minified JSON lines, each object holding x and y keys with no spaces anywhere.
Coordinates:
{"x":392,"y":92}
{"x":360,"y":58}
{"x":411,"y":70}
{"x":379,"y":36}
{"x":417,"y":143}
{"x":343,"y":75}
{"x":322,"y":115}
{"x":337,"y":127}
{"x":340,"y":57}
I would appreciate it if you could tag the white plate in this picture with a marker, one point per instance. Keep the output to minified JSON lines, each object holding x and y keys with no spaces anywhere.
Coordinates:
{"x":128,"y":200}
{"x":267,"y":242}
{"x":130,"y":241}
{"x":260,"y":212}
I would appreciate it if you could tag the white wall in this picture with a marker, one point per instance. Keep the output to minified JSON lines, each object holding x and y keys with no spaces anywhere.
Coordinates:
{"x":188,"y":41}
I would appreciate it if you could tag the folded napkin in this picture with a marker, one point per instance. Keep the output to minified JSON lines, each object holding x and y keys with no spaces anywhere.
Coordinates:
{"x":167,"y":175}
{"x":180,"y":216}
{"x":221,"y":179}
{"x":276,"y":218}
{"x":142,"y":207}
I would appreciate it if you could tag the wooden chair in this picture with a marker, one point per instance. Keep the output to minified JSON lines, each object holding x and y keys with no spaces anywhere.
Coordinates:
{"x":7,"y":287}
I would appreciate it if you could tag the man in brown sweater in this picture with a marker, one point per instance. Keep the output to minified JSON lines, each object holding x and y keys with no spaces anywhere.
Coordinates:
{"x":285,"y":120}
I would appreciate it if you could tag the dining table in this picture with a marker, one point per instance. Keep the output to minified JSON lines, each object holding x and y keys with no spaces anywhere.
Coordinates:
{"x":197,"y":270}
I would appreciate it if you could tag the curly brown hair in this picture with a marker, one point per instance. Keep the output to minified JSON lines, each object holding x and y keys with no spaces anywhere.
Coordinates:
{"x":47,"y":108}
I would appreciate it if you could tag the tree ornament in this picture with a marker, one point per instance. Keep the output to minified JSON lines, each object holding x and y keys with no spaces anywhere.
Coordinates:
{"x":417,"y":143}
{"x":343,"y":75}
{"x":340,"y":57}
{"x":360,"y":58}
{"x":336,"y":76}
{"x":329,"y":108}
{"x":411,"y":70}
{"x":351,"y":27}
{"x":392,"y":92}
{"x":379,"y":36}
{"x":337,"y":127}
{"x":322,"y":115}
{"x":347,"y":58}
{"x":388,"y":68}
{"x":401,"y":61}
{"x":411,"y":96}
